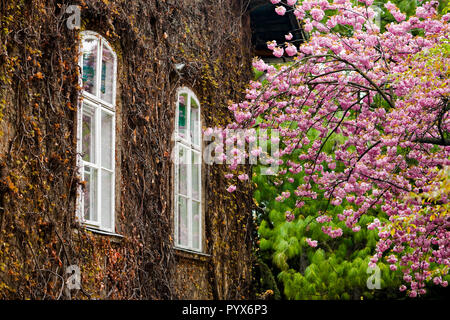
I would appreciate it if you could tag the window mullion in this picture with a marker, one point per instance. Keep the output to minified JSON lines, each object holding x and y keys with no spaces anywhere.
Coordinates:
{"x":79,"y":160}
{"x":199,"y":129}
{"x":176,"y":206}
{"x":99,"y":67}
{"x":188,"y":119}
{"x":82,"y":204}
{"x":98,"y":159}
{"x":113,"y":175}
{"x":200,"y":212}
{"x":188,"y":173}
{"x":114,"y":80}
{"x":177,"y":121}
{"x":98,"y":128}
{"x":189,"y":191}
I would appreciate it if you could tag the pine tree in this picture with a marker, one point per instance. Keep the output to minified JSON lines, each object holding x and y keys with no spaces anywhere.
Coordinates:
{"x":336,"y":268}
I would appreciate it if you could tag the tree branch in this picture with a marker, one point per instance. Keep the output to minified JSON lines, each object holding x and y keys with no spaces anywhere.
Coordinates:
{"x":435,"y":141}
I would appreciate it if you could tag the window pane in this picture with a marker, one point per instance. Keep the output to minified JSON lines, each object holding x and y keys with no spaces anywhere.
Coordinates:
{"x":196,"y":224}
{"x":107,"y":78}
{"x":182,"y":114}
{"x":88,"y":134}
{"x":107,"y":136}
{"x":182,"y":171}
{"x":195,"y":165}
{"x":90,"y":65}
{"x":195,"y":122}
{"x":182,"y":221}
{"x":90,"y":194}
{"x":107,"y":193}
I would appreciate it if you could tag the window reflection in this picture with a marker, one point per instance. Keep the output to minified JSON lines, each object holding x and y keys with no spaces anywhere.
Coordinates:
{"x":89,"y":65}
{"x":107,"y":78}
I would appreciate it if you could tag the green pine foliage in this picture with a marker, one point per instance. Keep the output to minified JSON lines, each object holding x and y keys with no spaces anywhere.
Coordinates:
{"x":336,"y":268}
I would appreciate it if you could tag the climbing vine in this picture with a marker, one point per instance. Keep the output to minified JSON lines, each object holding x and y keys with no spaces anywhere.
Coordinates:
{"x":39,"y":96}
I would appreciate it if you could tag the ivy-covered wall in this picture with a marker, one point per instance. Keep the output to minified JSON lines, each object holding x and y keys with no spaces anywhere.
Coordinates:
{"x":39,"y":92}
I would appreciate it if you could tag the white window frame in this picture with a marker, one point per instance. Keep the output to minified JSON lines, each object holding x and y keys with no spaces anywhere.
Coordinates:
{"x":188,"y":143}
{"x":99,"y":106}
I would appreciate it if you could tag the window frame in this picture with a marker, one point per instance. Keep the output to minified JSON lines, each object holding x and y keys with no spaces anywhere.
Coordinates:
{"x":99,"y":107}
{"x":187,"y":143}
{"x":85,"y":35}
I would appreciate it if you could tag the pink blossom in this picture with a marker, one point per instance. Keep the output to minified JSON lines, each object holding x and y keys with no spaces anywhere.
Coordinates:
{"x":392,"y":259}
{"x":208,"y":132}
{"x":311,"y":243}
{"x":291,"y":2}
{"x":243,"y":177}
{"x":390,"y":6}
{"x":288,"y":36}
{"x":291,"y":50}
{"x":437,"y":280}
{"x":371,"y":41}
{"x":336,"y":202}
{"x":317,"y":14}
{"x":395,"y":11}
{"x":260,"y":65}
{"x":289,"y":216}
{"x":280,"y":10}
{"x":278,"y":52}
{"x":231,"y":188}
{"x":324,"y":4}
{"x":299,"y":13}
{"x":272,"y":45}
{"x":367,"y":2}
{"x":421,"y":12}
{"x":374,"y":224}
{"x":323,"y":219}
{"x":255,"y":152}
{"x":308,"y":27}
{"x":299,"y":204}
{"x":399,"y":16}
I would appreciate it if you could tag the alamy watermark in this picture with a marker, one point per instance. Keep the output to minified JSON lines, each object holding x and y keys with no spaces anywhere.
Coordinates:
{"x":374,"y":281}
{"x":74,"y":20}
{"x":73,"y":281}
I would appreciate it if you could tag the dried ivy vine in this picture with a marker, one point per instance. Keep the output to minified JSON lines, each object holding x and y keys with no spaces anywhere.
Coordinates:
{"x":39,"y":235}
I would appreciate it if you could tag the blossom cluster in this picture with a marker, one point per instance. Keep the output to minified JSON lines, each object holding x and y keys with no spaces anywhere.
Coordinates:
{"x":383,"y":104}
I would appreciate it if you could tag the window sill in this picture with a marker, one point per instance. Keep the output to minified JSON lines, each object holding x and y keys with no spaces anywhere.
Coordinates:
{"x":191,"y":254}
{"x":117,"y":236}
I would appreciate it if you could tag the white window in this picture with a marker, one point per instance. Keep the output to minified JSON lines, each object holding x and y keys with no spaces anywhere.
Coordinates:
{"x":96,"y":132}
{"x":188,"y":195}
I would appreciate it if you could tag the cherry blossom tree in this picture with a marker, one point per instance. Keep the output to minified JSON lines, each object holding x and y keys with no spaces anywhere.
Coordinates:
{"x":382,"y":101}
